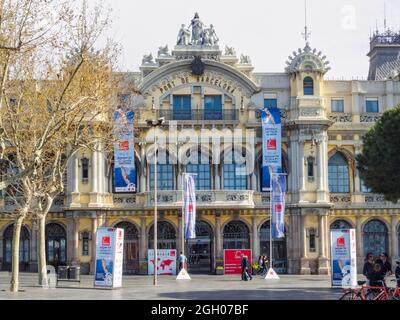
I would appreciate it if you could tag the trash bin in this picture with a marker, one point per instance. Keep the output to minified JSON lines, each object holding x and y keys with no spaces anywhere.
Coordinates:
{"x":75,"y":273}
{"x":63,"y":272}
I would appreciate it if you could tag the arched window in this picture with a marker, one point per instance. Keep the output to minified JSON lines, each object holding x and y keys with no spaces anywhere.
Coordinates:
{"x":202,"y":170}
{"x":338,"y":170}
{"x":165,"y":174}
{"x":235,"y":175}
{"x":340,"y":225}
{"x":375,"y":237}
{"x":279,"y":253}
{"x":166,"y":236}
{"x":23,"y":248}
{"x":56,"y":244}
{"x":131,"y":247}
{"x":308,"y":85}
{"x":236,"y":236}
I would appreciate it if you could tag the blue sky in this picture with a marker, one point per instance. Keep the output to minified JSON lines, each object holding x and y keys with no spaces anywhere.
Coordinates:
{"x":266,"y":30}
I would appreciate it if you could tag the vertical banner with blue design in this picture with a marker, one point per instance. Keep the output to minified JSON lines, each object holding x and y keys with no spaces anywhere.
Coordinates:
{"x":124,"y":152}
{"x":189,"y":206}
{"x":278,"y":185}
{"x":272,"y":144}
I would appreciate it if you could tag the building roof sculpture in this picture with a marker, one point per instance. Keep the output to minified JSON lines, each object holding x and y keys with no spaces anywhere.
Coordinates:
{"x":307,"y":59}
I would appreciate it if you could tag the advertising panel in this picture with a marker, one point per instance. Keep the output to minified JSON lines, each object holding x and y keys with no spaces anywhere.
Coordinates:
{"x":166,"y":262}
{"x":109,"y":255}
{"x":124,"y":152}
{"x":233,"y":259}
{"x":271,"y":144}
{"x":343,"y":258}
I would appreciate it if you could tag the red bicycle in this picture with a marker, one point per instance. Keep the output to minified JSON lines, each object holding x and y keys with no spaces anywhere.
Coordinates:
{"x":366,"y":292}
{"x":395,"y":292}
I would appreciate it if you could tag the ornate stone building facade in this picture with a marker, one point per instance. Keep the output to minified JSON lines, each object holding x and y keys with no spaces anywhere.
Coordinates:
{"x":199,"y":88}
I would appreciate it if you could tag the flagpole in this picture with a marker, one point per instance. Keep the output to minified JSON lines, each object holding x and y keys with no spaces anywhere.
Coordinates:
{"x":270,"y":210}
{"x":183,"y":215}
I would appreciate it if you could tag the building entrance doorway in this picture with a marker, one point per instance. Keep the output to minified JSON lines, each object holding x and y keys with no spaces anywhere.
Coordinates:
{"x":199,"y":250}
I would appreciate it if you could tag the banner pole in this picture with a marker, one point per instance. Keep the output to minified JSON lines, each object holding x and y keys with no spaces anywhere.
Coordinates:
{"x":183,"y":216}
{"x":270,"y":221}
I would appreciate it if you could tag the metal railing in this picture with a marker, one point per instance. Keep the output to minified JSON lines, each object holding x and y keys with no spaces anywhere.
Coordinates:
{"x":200,"y":115}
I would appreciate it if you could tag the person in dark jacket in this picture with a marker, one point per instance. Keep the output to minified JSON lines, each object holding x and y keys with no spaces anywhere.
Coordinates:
{"x":243,"y":266}
{"x":397,"y":273}
{"x":376,"y":277}
{"x":386,"y":266}
{"x":368,"y":265}
{"x":248,"y":268}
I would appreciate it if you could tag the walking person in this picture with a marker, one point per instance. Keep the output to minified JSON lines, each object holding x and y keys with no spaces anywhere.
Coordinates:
{"x":248,"y":269}
{"x":265,"y":262}
{"x":243,"y":266}
{"x":181,"y":260}
{"x":260,"y":263}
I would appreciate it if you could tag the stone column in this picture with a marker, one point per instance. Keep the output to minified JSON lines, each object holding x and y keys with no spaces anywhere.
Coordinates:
{"x":94,"y":172}
{"x":218,"y":238}
{"x":305,"y":265}
{"x":142,"y":167}
{"x":217,"y":177}
{"x":301,"y":166}
{"x":93,"y":251}
{"x":359,"y":244}
{"x":74,"y":181}
{"x":253,"y":181}
{"x":33,"y":263}
{"x":256,"y":238}
{"x":323,"y":265}
{"x":142,"y":244}
{"x":75,"y":236}
{"x":320,"y":163}
{"x":393,"y":238}
{"x":70,"y":238}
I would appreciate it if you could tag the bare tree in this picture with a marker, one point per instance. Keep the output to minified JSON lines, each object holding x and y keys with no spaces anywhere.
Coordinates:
{"x":56,"y":99}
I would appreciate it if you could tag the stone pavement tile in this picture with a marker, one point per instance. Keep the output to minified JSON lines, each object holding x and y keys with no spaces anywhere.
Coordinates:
{"x":209,"y":287}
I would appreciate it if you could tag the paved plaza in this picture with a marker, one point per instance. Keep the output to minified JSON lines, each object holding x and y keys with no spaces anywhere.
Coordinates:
{"x":209,"y":287}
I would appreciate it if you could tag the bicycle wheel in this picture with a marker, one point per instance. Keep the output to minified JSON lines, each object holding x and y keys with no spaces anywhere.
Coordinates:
{"x":350,"y":295}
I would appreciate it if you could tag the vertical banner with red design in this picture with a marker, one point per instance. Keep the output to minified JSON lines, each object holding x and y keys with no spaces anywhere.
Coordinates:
{"x":343,"y":258}
{"x":272,"y":144}
{"x":189,"y":206}
{"x":124,"y":152}
{"x":278,"y":185}
{"x":109,"y":255}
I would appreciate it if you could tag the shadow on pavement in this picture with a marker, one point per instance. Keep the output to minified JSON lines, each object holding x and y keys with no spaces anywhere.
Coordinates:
{"x":259,"y":294}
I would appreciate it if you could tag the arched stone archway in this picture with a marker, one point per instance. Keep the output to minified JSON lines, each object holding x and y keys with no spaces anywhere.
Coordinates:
{"x":166,"y":236}
{"x":236,"y":235}
{"x":200,"y":250}
{"x":375,"y":237}
{"x":24,"y":245}
{"x":130,"y":263}
{"x":279,"y":248}
{"x":56,"y":244}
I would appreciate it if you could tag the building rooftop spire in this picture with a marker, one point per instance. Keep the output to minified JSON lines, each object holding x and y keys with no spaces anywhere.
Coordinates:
{"x":306,"y":34}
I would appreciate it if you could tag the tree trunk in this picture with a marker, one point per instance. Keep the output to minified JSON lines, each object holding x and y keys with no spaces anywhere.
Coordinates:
{"x":42,"y":267}
{"x":15,"y":254}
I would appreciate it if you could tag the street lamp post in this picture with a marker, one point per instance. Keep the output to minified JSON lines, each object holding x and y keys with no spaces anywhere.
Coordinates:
{"x":154,"y":124}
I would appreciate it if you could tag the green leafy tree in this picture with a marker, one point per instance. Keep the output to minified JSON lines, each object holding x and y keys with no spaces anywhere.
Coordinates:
{"x":379,"y":162}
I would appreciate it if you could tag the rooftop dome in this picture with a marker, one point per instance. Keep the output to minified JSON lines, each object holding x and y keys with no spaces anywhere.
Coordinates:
{"x":307,"y":59}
